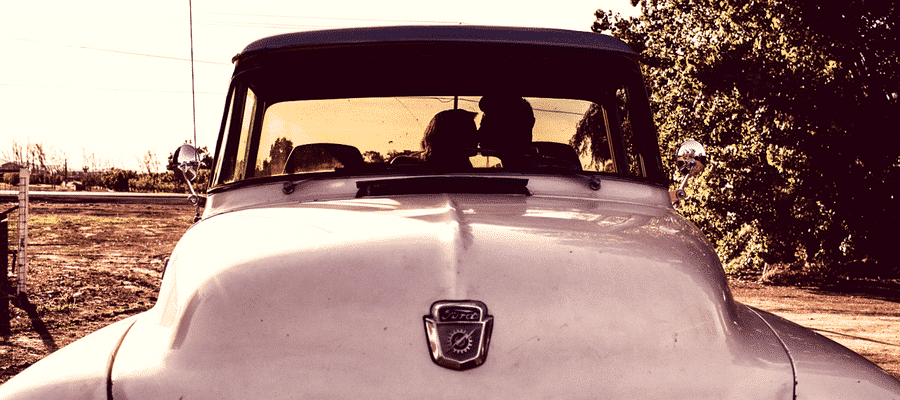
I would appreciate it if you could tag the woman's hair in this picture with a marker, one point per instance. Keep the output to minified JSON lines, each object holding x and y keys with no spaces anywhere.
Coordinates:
{"x":450,"y":133}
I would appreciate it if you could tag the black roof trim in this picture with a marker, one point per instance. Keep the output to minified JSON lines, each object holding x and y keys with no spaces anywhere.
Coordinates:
{"x":437,"y":33}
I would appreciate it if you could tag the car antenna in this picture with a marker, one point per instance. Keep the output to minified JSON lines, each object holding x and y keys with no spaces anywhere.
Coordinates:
{"x":193,"y":92}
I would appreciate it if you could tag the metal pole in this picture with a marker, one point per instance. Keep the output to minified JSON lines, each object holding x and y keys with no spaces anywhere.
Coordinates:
{"x":21,"y":273}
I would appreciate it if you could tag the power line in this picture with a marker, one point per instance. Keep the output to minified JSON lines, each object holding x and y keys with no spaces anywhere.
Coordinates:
{"x":264,"y":25}
{"x":106,"y":89}
{"x":248,"y":24}
{"x":122,"y":52}
{"x":408,"y":21}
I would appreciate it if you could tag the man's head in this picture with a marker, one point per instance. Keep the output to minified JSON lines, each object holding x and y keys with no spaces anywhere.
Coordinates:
{"x":506,"y":124}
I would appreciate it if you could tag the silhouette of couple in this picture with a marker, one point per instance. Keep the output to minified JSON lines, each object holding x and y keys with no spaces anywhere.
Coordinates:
{"x":506,"y":124}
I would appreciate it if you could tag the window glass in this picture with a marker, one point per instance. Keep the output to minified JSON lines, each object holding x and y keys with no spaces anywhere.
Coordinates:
{"x":224,"y":174}
{"x":386,"y":130}
{"x":623,"y":108}
{"x":426,"y":134}
{"x":246,"y":136}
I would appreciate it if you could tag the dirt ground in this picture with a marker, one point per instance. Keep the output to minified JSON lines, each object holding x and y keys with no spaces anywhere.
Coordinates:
{"x":91,"y":265}
{"x":862,"y":315}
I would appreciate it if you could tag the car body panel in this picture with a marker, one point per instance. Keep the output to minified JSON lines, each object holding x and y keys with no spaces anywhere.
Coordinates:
{"x":77,"y":371}
{"x":332,"y":297}
{"x":825,"y":369}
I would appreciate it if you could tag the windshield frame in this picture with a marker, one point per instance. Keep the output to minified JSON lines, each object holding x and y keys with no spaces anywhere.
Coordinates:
{"x":259,"y":75}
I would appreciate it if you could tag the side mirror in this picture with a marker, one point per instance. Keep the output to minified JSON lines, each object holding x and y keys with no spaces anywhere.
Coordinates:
{"x":187,"y":160}
{"x":690,"y":160}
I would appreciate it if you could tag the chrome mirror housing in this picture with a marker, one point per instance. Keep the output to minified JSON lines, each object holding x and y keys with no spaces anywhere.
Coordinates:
{"x":187,"y":160}
{"x":690,"y":160}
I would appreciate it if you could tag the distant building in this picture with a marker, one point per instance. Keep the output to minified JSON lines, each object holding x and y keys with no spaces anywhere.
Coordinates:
{"x":9,"y":166}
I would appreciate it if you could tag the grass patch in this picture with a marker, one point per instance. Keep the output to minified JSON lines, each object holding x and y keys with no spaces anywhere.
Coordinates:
{"x":66,"y":221}
{"x":64,"y":303}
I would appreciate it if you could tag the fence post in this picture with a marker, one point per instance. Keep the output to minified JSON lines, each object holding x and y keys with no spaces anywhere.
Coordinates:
{"x":21,"y":258}
{"x":4,"y":275}
{"x":21,"y":255}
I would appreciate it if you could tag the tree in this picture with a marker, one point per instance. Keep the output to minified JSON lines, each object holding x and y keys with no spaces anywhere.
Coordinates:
{"x":278,"y":156}
{"x":117,"y":179}
{"x":797,"y":103}
{"x":89,"y":163}
{"x":47,"y":164}
{"x":17,"y":155}
{"x":150,"y":162}
{"x":372,"y":156}
{"x":37,"y":156}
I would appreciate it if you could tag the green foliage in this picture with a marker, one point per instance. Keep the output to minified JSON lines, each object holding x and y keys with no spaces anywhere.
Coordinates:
{"x":797,"y":104}
{"x":11,"y":178}
{"x":156,"y":182}
{"x":116,"y":179}
{"x":45,"y":178}
{"x":91,"y":180}
{"x":123,"y":180}
{"x":202,"y":181}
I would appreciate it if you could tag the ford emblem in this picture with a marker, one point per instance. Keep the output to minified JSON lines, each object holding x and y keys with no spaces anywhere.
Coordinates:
{"x":458,"y":333}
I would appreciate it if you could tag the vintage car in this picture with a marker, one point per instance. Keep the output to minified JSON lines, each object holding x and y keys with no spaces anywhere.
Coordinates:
{"x":445,"y":212}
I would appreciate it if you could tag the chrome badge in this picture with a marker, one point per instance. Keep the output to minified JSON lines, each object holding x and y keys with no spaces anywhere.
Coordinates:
{"x":458,"y":333}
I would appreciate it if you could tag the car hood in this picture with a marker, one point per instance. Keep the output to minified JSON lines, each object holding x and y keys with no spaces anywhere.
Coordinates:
{"x":327,"y":299}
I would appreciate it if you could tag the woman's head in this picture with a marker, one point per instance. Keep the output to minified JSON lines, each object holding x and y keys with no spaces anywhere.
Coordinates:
{"x":450,"y":134}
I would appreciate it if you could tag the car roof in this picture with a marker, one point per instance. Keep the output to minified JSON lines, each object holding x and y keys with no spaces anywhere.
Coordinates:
{"x":437,"y":33}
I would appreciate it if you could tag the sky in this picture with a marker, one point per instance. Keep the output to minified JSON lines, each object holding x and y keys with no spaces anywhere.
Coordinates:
{"x":104,"y":83}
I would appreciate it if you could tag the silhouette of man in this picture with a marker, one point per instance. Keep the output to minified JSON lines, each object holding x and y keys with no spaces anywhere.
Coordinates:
{"x":506,"y":128}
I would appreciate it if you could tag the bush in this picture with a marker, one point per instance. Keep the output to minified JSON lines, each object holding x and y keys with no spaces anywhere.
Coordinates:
{"x":155,"y":183}
{"x":53,"y":179}
{"x":11,"y":178}
{"x":116,"y":179}
{"x":123,"y":181}
{"x":91,"y":180}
